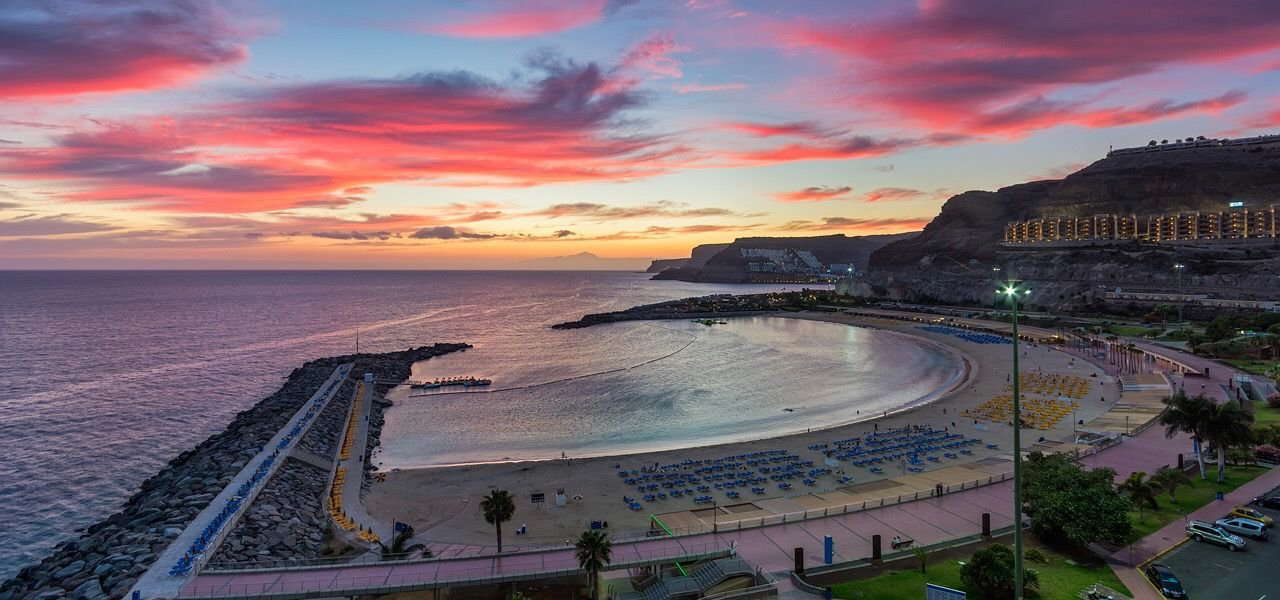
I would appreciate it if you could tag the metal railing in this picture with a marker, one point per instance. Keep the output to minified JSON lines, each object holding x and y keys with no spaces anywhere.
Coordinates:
{"x":909,"y":553}
{"x":423,"y":574}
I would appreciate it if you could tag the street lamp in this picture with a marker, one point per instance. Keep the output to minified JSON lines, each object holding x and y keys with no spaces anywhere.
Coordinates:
{"x":1179,"y":267}
{"x":1013,"y":293}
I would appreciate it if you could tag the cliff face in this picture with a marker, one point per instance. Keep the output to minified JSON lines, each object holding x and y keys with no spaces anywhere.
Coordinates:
{"x":662,"y":264}
{"x":970,"y":225}
{"x":951,"y":259}
{"x":727,"y":265}
{"x":697,"y":258}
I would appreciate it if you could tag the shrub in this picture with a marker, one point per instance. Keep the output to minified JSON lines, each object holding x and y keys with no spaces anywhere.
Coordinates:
{"x":1035,"y":555}
{"x":1071,"y":505}
{"x":990,"y":573}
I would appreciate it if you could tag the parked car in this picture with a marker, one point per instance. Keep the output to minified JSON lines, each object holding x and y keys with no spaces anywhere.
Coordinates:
{"x":1252,"y":513}
{"x":1164,"y":579}
{"x":1201,"y":531}
{"x":1269,"y":502}
{"x":1244,"y":527}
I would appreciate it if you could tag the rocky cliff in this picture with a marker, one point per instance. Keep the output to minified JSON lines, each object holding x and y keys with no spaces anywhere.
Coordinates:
{"x":952,"y":259}
{"x":726,"y":264}
{"x":697,"y":258}
{"x":970,"y":225}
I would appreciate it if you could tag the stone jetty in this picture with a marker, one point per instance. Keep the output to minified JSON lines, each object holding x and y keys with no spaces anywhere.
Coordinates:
{"x":109,"y":556}
{"x":710,"y":307}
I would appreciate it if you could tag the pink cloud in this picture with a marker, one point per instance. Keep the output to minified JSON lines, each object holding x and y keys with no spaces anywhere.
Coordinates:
{"x":805,"y":129}
{"x":814,"y":194}
{"x":653,"y":56}
{"x":297,"y":143}
{"x":694,"y":88}
{"x":941,"y":67}
{"x":526,"y":18}
{"x":68,"y":47}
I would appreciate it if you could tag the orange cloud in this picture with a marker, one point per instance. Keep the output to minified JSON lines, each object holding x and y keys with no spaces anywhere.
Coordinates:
{"x":875,"y":225}
{"x":891,"y":193}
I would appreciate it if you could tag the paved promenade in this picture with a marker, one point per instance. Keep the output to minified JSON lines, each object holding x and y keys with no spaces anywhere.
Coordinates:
{"x":428,"y":574}
{"x":353,"y":506}
{"x":156,"y":581}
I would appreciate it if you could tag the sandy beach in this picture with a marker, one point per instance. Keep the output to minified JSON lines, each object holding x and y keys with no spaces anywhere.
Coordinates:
{"x":442,"y":503}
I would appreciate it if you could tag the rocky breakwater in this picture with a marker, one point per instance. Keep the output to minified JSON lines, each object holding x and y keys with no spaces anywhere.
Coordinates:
{"x":286,"y":521}
{"x":109,"y":556}
{"x":688,"y":308}
{"x":325,"y":434}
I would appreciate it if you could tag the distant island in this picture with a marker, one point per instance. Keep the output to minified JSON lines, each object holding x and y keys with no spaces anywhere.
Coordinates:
{"x":584,"y":261}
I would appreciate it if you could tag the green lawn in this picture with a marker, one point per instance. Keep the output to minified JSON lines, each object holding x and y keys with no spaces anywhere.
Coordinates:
{"x":1265,"y":415}
{"x":1196,"y":495}
{"x":1059,"y":580}
{"x":1132,"y":330}
{"x":1257,"y":367}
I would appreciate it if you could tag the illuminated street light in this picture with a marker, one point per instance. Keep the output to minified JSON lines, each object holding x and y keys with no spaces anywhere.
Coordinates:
{"x":1179,"y":267}
{"x":1013,"y":293}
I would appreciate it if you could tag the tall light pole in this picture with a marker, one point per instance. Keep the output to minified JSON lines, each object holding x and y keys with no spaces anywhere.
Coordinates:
{"x":1179,"y":267}
{"x":1013,"y":293}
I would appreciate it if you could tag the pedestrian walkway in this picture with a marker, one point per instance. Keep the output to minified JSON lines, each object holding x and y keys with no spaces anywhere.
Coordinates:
{"x":383,"y":578}
{"x":345,"y":495}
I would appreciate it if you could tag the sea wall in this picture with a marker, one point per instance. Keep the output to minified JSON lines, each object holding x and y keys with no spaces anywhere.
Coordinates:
{"x":108,"y":556}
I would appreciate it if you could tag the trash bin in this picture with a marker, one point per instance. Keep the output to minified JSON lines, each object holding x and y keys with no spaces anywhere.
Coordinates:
{"x":1218,"y":496}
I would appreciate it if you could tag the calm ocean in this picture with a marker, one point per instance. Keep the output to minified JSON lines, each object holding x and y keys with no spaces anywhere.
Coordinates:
{"x":108,"y":375}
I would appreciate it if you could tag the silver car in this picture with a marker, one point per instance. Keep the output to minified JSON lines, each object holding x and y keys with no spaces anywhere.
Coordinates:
{"x":1201,"y":531}
{"x":1245,"y":527}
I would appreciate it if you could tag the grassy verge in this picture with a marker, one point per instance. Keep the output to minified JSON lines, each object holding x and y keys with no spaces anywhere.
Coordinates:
{"x":1060,"y":579}
{"x":1265,"y":415}
{"x":1257,"y":367}
{"x":1190,"y":498}
{"x":1132,"y":330}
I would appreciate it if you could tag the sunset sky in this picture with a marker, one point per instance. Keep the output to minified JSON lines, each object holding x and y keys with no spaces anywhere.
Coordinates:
{"x":452,"y":134}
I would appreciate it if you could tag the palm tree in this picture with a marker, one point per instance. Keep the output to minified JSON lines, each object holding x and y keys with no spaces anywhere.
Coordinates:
{"x":1227,"y":425}
{"x":1169,"y":478}
{"x":1140,"y":491}
{"x":1188,"y":415}
{"x":922,"y":554}
{"x":498,"y":507}
{"x":594,"y":551}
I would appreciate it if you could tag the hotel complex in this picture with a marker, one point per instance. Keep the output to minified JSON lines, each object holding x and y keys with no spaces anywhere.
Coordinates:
{"x":1236,"y":223}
